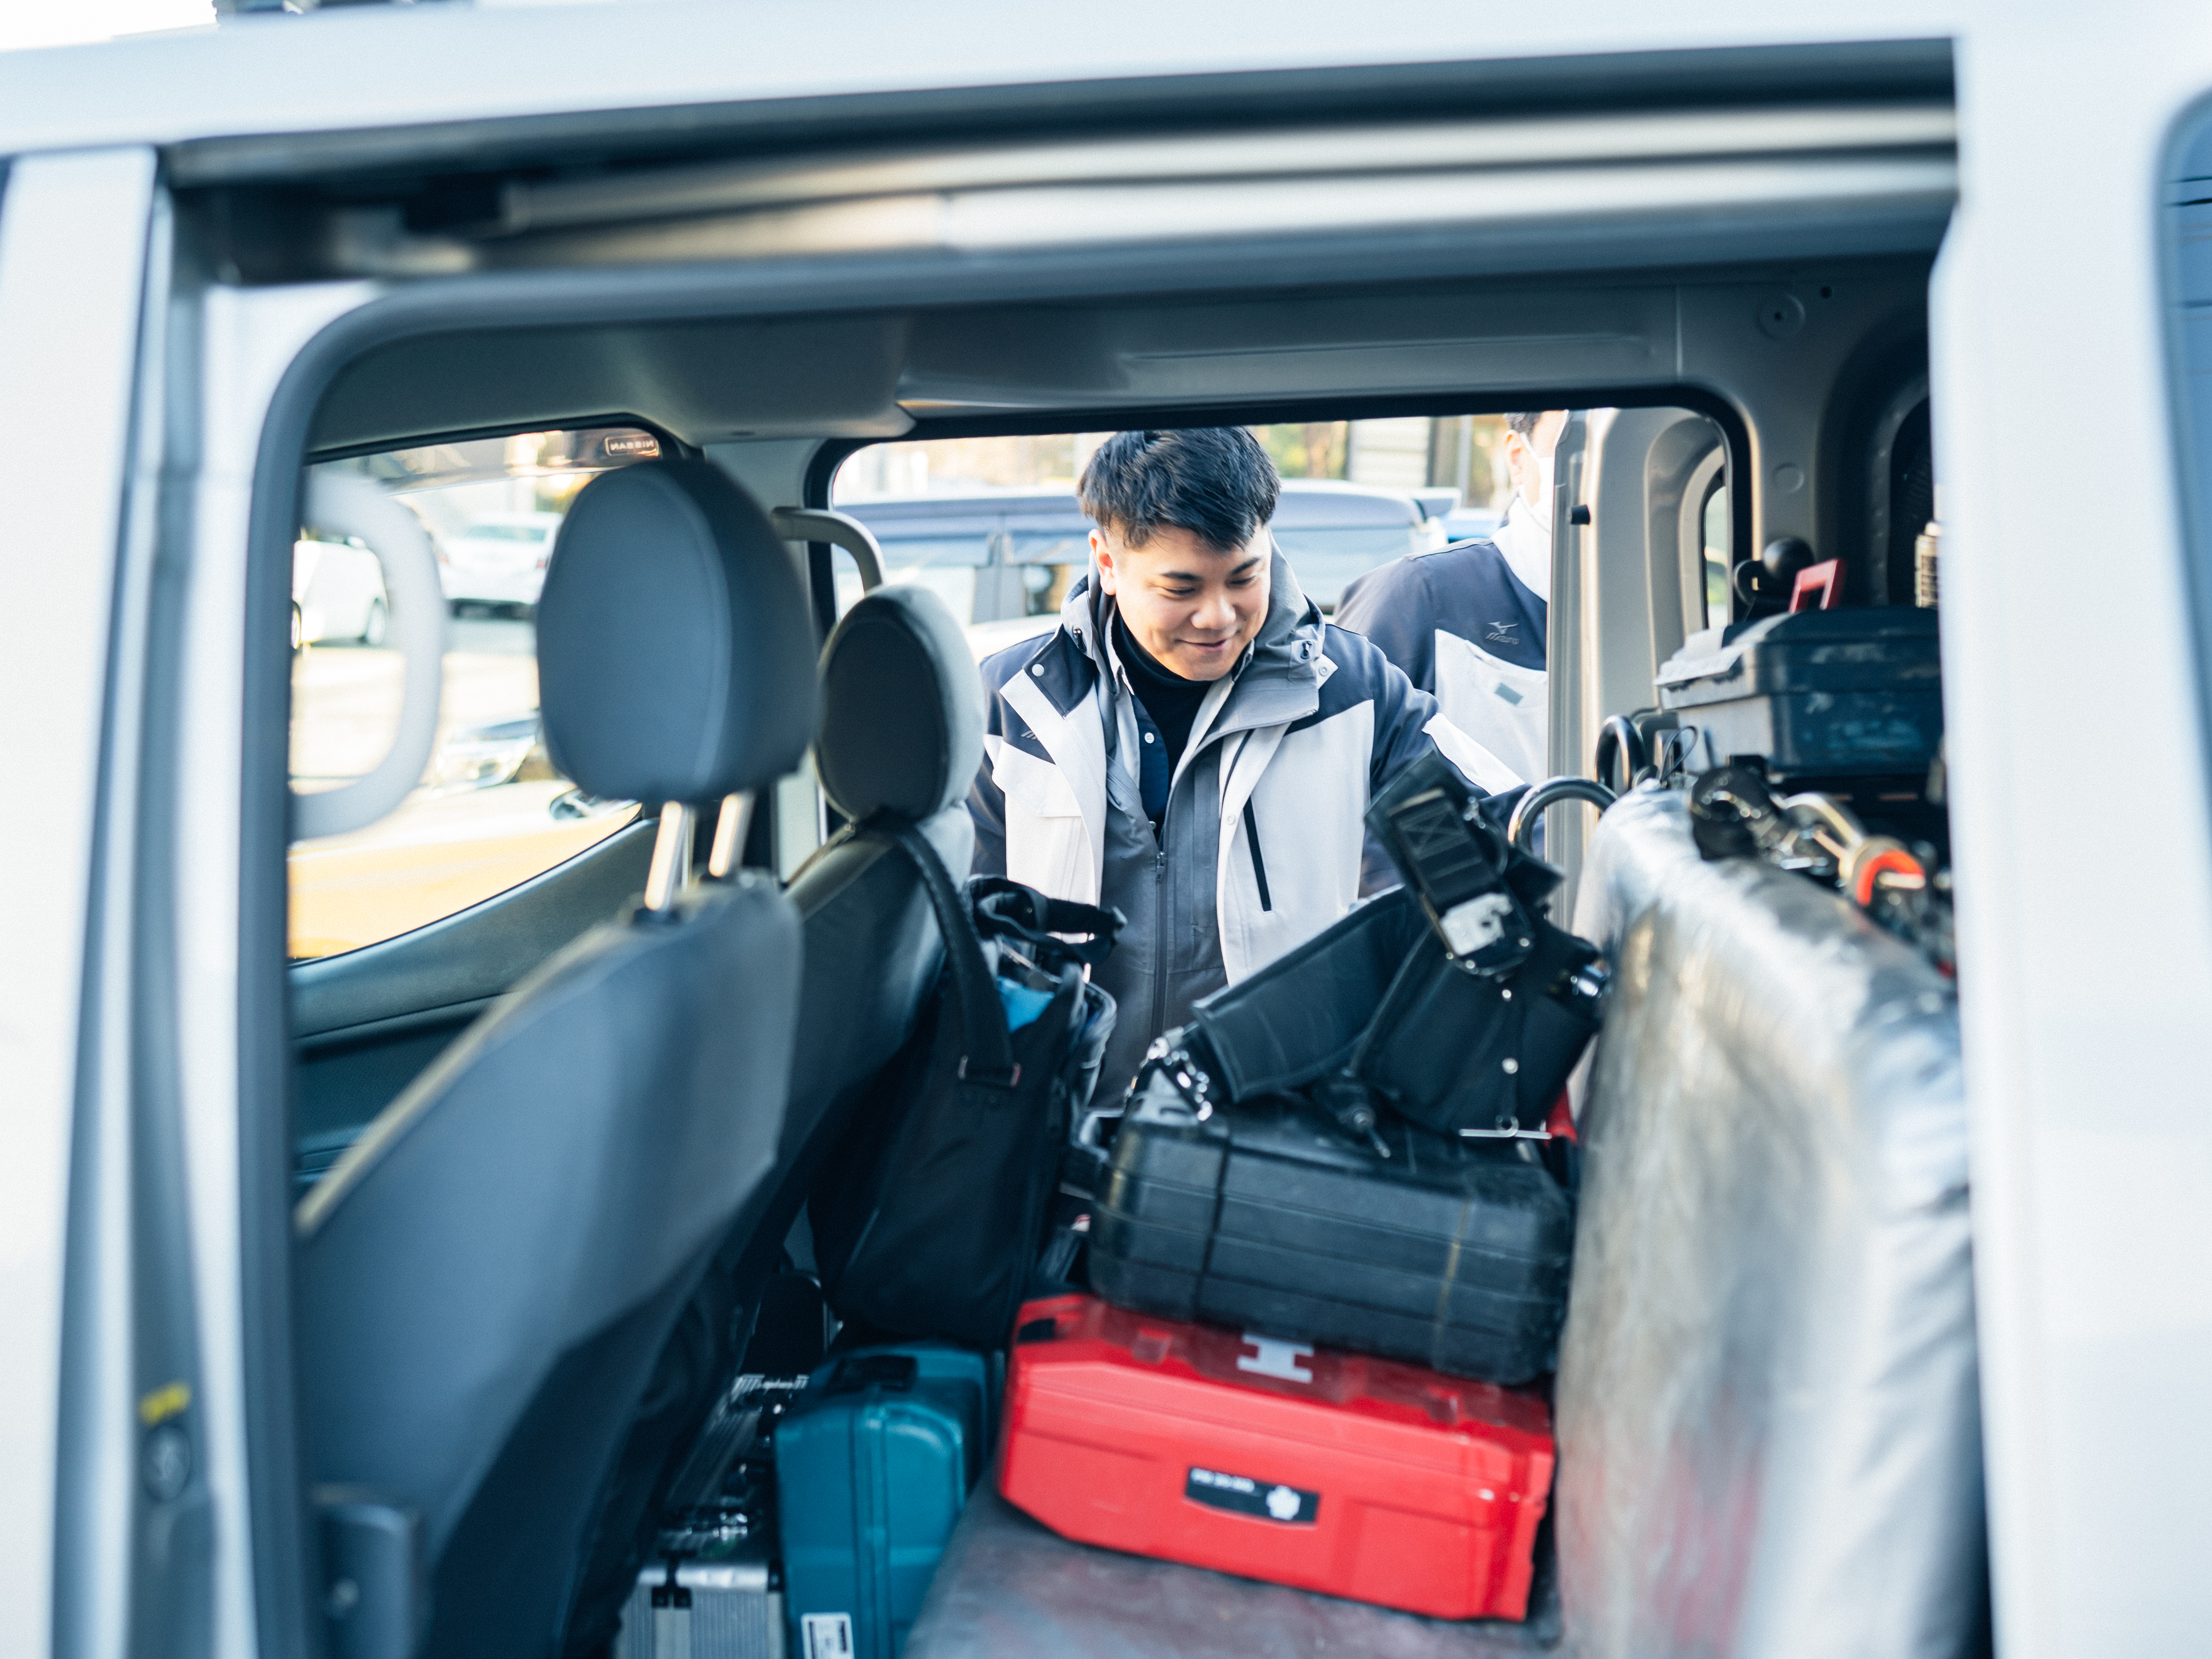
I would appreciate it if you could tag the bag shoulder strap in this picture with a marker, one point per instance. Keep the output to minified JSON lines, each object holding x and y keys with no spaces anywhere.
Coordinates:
{"x":987,"y":1050}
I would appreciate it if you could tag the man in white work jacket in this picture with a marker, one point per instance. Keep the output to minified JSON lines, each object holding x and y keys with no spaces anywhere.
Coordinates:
{"x":1193,"y":744}
{"x":1467,"y":621}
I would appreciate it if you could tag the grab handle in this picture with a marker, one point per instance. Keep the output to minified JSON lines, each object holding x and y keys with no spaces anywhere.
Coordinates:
{"x":350,"y":506}
{"x":809,"y":524}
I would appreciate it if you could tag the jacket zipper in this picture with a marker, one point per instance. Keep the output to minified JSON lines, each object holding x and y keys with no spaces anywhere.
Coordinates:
{"x":1259,"y":865}
{"x":1160,"y":943}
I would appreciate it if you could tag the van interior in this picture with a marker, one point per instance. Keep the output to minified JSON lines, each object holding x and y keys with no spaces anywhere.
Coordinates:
{"x":492,"y":1306}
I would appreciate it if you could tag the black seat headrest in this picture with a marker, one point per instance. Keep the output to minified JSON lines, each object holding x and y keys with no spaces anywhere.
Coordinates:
{"x":674,"y":640}
{"x":901,"y":708}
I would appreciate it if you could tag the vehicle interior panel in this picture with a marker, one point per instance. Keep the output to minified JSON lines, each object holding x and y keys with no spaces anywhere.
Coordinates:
{"x":710,"y":381}
{"x":1608,"y":187}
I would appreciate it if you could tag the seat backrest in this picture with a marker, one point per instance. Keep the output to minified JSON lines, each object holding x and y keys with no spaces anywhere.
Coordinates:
{"x":900,"y":738}
{"x":487,"y":1276}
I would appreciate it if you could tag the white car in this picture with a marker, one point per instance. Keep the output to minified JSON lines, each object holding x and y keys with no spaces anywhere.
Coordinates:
{"x":499,"y":560}
{"x":338,"y":593}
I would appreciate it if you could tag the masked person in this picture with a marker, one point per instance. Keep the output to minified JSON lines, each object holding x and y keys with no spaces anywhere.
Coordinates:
{"x":1467,"y":621}
{"x":1193,"y":744}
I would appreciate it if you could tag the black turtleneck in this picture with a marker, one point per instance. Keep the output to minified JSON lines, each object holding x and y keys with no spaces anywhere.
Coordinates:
{"x":1167,"y":708}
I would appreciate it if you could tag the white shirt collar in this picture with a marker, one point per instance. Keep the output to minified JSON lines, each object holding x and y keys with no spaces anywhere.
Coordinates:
{"x":1527,"y":548}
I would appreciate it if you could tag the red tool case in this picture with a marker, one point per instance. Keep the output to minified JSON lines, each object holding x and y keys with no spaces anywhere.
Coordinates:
{"x":1362,"y":1478}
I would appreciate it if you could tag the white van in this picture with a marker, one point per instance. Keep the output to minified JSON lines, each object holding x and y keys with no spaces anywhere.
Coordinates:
{"x":1802,"y":266}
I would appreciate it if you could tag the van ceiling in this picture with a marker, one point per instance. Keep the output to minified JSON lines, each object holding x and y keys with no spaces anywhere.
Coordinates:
{"x":887,"y":372}
{"x":827,"y":290}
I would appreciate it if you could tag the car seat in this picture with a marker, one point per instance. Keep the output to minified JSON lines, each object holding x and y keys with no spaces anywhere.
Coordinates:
{"x":486,"y":1278}
{"x":900,"y":740}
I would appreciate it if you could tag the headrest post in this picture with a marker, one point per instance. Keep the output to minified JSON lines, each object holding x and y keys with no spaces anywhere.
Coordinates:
{"x":671,"y":854}
{"x":730,"y":834}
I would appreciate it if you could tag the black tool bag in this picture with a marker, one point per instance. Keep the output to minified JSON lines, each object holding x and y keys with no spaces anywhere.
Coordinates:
{"x":1264,"y":1215}
{"x":936,"y":1208}
{"x":1453,"y":1001}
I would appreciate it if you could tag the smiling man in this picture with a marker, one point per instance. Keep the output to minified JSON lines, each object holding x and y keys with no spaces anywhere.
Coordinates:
{"x":1193,"y":744}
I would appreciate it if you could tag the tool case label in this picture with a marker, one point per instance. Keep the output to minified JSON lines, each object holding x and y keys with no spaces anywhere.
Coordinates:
{"x":1242,"y":1495}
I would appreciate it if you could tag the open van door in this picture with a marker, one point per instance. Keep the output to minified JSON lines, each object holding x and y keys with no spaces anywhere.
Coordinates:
{"x":100,"y":1429}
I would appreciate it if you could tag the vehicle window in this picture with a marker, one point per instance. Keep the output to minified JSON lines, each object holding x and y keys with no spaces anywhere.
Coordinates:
{"x":1716,"y":539}
{"x":491,"y":810}
{"x":992,"y":525}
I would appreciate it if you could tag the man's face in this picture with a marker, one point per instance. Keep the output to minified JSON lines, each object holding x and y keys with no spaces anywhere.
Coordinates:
{"x":1527,"y":459}
{"x":1192,"y":606}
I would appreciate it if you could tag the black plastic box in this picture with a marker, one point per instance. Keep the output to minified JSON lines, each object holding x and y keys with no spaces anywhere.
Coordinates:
{"x":1823,"y":694}
{"x":1267,"y":1217}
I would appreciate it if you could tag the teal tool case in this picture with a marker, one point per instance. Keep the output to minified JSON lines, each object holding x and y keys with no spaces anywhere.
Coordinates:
{"x":873,"y":1464}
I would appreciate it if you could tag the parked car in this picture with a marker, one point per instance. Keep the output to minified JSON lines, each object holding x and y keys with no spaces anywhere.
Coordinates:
{"x":499,"y":560}
{"x":337,"y":590}
{"x":997,"y":557}
{"x":1467,"y":523}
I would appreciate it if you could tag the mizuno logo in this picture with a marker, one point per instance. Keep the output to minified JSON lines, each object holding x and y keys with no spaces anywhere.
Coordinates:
{"x":1503,"y":633}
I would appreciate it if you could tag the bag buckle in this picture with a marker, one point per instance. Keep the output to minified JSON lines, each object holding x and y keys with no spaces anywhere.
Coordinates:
{"x":1458,"y":867}
{"x":1012,"y":1080}
{"x":1189,"y":1078}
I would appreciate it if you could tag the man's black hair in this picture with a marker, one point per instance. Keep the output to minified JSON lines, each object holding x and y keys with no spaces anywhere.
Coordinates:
{"x":1525,"y":423}
{"x":1215,"y":482}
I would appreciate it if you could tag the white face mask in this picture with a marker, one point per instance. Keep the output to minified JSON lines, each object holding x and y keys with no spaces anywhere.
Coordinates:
{"x":1540,"y":508}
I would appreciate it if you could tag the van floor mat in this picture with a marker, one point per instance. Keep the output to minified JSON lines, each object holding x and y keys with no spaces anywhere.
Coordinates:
{"x":1009,"y":1588}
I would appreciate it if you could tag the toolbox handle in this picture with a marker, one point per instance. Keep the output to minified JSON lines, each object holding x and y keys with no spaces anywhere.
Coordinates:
{"x":1521,"y":829}
{"x":895,"y":1372}
{"x":1619,"y":742}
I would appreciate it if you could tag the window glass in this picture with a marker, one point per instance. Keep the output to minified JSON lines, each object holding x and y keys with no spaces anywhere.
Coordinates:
{"x":491,"y":810}
{"x":993,"y":527}
{"x":1717,"y":556}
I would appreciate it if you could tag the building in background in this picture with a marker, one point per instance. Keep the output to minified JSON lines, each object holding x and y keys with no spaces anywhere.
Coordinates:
{"x":1391,"y":454}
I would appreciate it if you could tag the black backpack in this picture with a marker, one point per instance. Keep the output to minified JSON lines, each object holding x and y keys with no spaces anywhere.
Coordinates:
{"x":936,"y":1208}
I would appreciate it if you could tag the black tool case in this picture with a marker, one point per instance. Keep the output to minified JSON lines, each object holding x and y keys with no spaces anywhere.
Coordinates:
{"x":1266,"y":1217}
{"x":1820,"y":695}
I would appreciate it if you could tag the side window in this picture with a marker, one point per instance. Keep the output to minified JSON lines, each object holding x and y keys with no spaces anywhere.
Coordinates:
{"x":988,"y":524}
{"x":992,"y":527}
{"x":491,"y":811}
{"x":1715,"y":520}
